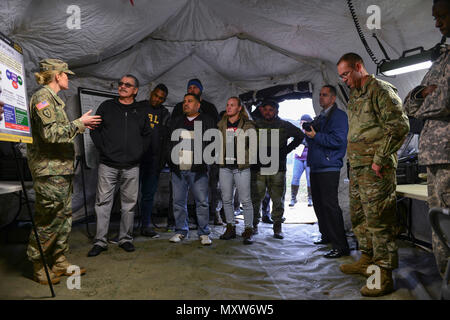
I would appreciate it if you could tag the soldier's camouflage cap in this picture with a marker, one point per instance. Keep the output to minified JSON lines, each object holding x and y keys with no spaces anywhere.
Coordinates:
{"x":54,"y":64}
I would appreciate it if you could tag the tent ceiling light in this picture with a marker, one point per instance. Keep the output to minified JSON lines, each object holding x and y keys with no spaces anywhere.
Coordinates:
{"x":404,"y":64}
{"x":408,"y":63}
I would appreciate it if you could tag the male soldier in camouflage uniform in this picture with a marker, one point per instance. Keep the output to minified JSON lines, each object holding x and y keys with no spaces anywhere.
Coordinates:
{"x":431,"y":102}
{"x":51,"y":162}
{"x":377,"y":128}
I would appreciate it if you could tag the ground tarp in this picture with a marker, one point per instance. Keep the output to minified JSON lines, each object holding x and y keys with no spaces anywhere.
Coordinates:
{"x":292,"y":269}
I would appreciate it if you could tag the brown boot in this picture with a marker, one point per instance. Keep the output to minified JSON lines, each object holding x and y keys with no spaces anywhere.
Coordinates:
{"x":358,"y":267}
{"x":40,"y":276}
{"x":230,"y":232}
{"x":60,"y":267}
{"x":386,"y":285}
{"x":277,"y":233}
{"x":248,"y":236}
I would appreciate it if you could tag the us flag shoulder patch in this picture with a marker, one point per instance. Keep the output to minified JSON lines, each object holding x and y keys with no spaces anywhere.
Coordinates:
{"x":42,"y":105}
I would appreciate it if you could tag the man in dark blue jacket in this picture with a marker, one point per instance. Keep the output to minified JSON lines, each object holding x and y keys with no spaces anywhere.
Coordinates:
{"x":327,"y":142}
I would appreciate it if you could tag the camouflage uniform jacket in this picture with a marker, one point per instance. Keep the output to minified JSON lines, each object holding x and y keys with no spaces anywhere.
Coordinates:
{"x":434,"y":146}
{"x":52,"y":151}
{"x":377,"y":124}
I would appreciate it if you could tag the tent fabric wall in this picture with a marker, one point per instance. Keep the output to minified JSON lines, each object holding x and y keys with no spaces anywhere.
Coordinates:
{"x":232,"y":46}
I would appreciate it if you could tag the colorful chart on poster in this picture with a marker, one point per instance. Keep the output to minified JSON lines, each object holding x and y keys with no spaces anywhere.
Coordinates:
{"x":15,"y":123}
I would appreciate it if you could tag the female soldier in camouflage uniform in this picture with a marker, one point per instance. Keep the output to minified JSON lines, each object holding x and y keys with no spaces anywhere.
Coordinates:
{"x":51,"y":162}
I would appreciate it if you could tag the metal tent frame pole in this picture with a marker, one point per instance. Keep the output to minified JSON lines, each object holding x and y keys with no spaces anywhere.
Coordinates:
{"x":24,"y":190}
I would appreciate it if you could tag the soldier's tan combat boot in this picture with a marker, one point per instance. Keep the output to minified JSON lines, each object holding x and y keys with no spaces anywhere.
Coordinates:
{"x":40,"y":276}
{"x":386,"y":285}
{"x":60,"y":267}
{"x":358,"y":267}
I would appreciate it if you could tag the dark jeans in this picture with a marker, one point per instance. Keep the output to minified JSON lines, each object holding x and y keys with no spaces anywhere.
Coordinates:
{"x":215,"y":197}
{"x":170,"y":216}
{"x":148,"y":179}
{"x":324,"y":189}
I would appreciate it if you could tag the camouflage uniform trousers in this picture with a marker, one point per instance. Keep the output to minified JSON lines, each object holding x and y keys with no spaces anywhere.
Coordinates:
{"x":438,"y":177}
{"x":276,"y":186}
{"x":53,"y":216}
{"x":373,"y":214}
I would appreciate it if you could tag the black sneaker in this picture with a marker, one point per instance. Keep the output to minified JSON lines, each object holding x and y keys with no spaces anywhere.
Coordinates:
{"x":321,"y":241}
{"x":127,"y":246}
{"x":96,"y":250}
{"x":150,"y":233}
{"x":336,"y":253}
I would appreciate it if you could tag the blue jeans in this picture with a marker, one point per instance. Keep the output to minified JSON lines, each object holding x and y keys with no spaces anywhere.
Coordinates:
{"x":181,"y":186}
{"x":242,"y":180}
{"x":148,"y":186}
{"x":299,"y":167}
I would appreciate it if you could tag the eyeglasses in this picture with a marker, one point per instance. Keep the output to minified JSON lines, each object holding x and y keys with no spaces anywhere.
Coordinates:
{"x":126,"y":84}
{"x":345,"y":75}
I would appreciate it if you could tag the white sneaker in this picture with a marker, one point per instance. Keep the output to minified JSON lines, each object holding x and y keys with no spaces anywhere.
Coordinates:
{"x":177,"y":238}
{"x":205,"y":240}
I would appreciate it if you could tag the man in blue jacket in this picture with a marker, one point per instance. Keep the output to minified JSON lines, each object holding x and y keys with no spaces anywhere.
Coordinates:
{"x":327,"y":142}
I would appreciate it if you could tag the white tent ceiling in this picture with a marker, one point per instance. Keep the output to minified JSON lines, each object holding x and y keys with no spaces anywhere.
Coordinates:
{"x":232,"y":46}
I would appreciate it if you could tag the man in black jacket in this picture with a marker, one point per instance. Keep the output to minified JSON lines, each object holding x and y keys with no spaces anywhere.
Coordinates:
{"x":196,"y":87}
{"x":154,"y":158}
{"x":120,"y":140}
{"x":268,"y":175}
{"x":265,"y":208}
{"x":189,"y":170}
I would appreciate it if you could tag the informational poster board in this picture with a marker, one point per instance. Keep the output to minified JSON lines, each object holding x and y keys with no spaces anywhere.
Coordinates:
{"x":15,"y":125}
{"x":90,"y":99}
